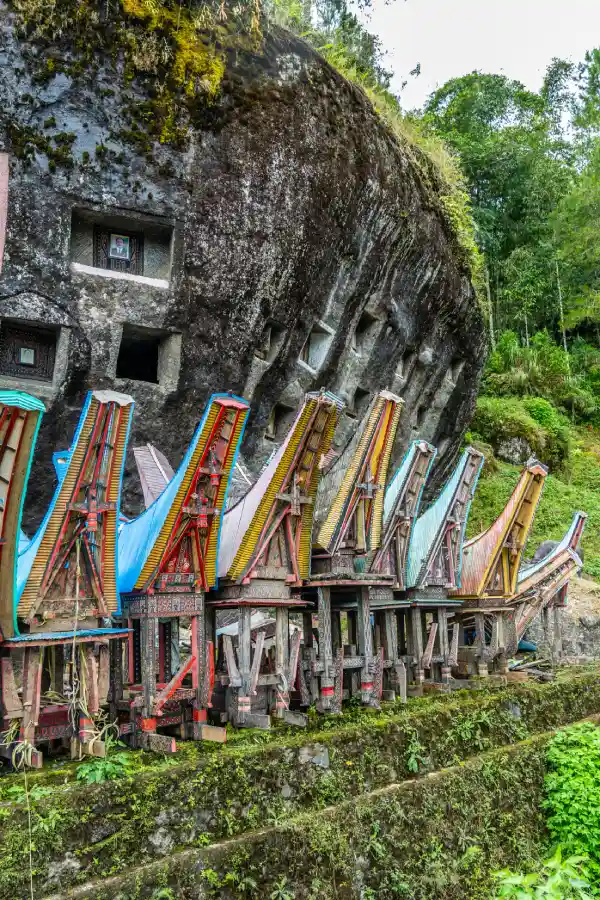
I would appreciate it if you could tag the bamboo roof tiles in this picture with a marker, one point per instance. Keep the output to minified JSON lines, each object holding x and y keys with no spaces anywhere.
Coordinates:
{"x":491,"y":560}
{"x":283,"y":497}
{"x":351,"y":499}
{"x":20,"y":418}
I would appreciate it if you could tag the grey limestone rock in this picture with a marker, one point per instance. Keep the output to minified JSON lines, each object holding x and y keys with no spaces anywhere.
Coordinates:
{"x":293,"y":244}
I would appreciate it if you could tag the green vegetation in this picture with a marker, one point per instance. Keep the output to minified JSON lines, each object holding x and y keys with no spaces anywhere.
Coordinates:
{"x":206,"y":794}
{"x":560,"y":879}
{"x":572,"y":804}
{"x":573,"y":794}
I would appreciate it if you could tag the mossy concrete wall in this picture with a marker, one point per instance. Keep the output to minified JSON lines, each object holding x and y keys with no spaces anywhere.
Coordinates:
{"x":441,"y":836}
{"x":81,"y":832}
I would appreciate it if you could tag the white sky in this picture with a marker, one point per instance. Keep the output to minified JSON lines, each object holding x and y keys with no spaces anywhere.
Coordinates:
{"x":517,"y":38}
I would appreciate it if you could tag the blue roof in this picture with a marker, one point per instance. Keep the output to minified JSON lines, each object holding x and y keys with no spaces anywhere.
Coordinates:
{"x":530,"y":569}
{"x":21,"y":400}
{"x":396,"y":485}
{"x":137,"y":537}
{"x":428,"y":527}
{"x":65,"y":635}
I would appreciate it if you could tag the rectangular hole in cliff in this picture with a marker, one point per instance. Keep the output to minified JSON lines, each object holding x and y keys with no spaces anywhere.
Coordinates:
{"x":270,"y":341}
{"x":147,"y":354}
{"x":456,"y":368}
{"x":279,"y":423}
{"x":359,"y":403}
{"x":317,"y":344}
{"x":121,"y":246}
{"x":405,"y":364}
{"x":27,"y":351}
{"x":421,"y":416}
{"x":365,"y":329}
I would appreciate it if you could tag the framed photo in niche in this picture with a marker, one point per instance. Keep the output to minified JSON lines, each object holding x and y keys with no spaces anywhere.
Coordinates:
{"x":27,"y":356}
{"x":119,"y":247}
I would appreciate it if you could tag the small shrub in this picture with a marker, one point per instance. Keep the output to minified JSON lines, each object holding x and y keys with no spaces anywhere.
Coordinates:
{"x":572,"y":788}
{"x":498,"y":419}
{"x":560,"y":879}
{"x":110,"y":768}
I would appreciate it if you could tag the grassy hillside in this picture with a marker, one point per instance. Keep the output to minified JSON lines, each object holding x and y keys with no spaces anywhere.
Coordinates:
{"x":563,"y":495}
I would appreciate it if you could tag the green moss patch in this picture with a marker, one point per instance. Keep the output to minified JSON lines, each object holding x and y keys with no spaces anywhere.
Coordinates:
{"x":437,"y":837}
{"x":205,"y":794}
{"x":176,"y":53}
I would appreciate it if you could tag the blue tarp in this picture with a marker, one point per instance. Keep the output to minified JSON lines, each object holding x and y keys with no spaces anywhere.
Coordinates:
{"x":136,"y":538}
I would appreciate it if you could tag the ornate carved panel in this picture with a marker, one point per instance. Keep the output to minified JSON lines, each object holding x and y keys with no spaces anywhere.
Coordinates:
{"x":27,"y":352}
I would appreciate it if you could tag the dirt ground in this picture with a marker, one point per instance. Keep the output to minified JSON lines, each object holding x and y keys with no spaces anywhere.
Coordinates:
{"x":583,"y":598}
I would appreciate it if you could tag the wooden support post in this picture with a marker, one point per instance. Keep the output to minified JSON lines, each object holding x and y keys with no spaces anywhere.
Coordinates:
{"x":32,"y":685}
{"x":482,"y":667}
{"x":325,"y":648}
{"x":365,"y":644}
{"x":444,"y":644}
{"x":244,"y":663}
{"x":453,"y":658}
{"x":148,"y":632}
{"x":92,"y":695}
{"x":558,"y":638}
{"x":501,"y":660}
{"x":103,"y":673}
{"x":416,"y":634}
{"x":389,"y":634}
{"x":282,"y":659}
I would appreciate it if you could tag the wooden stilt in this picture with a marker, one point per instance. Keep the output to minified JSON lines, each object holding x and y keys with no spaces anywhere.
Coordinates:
{"x":482,"y":666}
{"x":365,"y":644}
{"x":148,"y":634}
{"x":244,"y":663}
{"x":416,"y":634}
{"x":282,"y":656}
{"x":32,"y":684}
{"x":325,"y":648}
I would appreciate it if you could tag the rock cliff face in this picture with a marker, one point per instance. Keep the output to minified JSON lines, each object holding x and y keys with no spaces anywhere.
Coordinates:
{"x":292,"y":244}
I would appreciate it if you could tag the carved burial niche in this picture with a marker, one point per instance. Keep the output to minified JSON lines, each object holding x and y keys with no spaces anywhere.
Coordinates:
{"x":280,"y":421}
{"x":122,"y":244}
{"x":138,"y":355}
{"x":27,"y":351}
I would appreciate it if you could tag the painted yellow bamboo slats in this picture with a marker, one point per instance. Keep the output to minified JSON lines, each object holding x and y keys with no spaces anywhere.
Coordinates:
{"x":370,"y":459}
{"x":29,"y":597}
{"x":249,"y":544}
{"x":491,"y":560}
{"x":298,"y":464}
{"x":158,"y":548}
{"x":20,"y":416}
{"x":393,"y":416}
{"x":323,"y":438}
{"x":210,"y":561}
